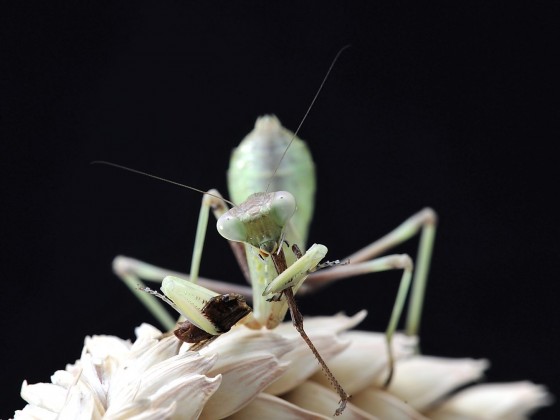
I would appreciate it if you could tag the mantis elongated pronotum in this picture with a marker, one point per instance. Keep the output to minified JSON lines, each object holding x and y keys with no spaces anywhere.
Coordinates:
{"x":271,"y":158}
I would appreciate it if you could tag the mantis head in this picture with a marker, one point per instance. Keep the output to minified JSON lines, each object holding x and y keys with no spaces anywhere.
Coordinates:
{"x":259,"y":220}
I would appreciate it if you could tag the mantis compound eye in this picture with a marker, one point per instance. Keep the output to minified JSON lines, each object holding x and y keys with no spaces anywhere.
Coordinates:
{"x":231,"y":228}
{"x":282,"y":207}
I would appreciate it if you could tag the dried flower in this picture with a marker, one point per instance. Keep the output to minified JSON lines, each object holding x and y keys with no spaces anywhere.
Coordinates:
{"x":270,"y":374}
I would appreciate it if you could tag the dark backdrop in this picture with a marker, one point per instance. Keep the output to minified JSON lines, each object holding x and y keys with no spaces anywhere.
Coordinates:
{"x":445,"y":106}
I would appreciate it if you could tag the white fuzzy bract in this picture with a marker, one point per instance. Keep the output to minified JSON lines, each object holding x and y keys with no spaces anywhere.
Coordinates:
{"x":247,"y":374}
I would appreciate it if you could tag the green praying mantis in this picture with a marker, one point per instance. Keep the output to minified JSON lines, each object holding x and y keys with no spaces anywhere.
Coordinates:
{"x":272,"y":179}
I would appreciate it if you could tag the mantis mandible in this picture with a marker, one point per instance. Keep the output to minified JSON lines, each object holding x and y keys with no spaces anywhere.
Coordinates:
{"x":267,"y":232}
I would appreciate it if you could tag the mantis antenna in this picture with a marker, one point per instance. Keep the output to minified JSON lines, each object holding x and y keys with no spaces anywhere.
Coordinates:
{"x":136,"y":171}
{"x":307,"y":112}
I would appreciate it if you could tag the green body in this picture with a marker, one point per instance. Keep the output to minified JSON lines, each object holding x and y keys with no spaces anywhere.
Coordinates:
{"x":252,"y":169}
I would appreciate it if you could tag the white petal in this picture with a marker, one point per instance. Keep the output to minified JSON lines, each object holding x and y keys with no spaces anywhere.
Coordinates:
{"x":89,"y":375}
{"x":176,"y":367}
{"x":142,"y":410}
{"x":317,"y":398}
{"x":149,"y":352}
{"x":365,"y":359}
{"x":241,"y":383}
{"x":422,"y":380}
{"x":79,"y":406}
{"x":321,"y":324}
{"x":132,"y":367}
{"x":78,"y":384}
{"x":130,"y":387}
{"x":32,"y":412}
{"x":146,"y":331}
{"x":189,"y":395}
{"x":240,"y":343}
{"x":181,"y":399}
{"x":515,"y":400}
{"x":384,"y":405}
{"x":102,"y":346}
{"x":48,"y":396}
{"x":303,"y":363}
{"x":269,"y":407}
{"x":63,"y":378}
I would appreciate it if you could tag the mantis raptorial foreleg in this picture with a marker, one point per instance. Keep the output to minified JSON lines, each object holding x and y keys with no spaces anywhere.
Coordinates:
{"x":286,"y":284}
{"x":424,"y":222}
{"x":132,"y":271}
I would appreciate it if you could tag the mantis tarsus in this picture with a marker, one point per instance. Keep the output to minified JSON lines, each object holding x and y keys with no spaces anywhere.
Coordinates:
{"x":272,"y":232}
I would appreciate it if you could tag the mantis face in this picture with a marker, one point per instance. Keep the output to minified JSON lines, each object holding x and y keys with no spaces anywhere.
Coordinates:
{"x":259,"y":221}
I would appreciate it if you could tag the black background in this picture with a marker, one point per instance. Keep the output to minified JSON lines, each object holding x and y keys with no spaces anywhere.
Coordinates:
{"x":444,"y":106}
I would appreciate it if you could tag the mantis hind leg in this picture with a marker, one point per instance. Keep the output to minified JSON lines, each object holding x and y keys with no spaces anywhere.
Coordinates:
{"x":423,"y":222}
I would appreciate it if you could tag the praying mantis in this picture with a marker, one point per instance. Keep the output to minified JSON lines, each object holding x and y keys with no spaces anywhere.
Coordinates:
{"x":271,"y":181}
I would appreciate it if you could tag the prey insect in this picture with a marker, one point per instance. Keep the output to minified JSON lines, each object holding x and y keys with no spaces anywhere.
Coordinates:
{"x":267,"y":232}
